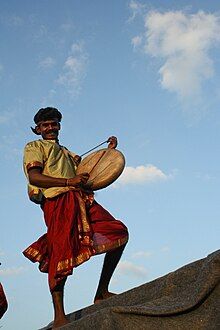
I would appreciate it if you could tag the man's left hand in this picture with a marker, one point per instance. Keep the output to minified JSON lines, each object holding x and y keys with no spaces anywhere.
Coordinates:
{"x":77,"y":159}
{"x":112,"y":142}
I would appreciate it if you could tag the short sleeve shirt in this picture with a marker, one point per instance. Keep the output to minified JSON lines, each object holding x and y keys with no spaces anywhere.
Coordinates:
{"x":54,"y":160}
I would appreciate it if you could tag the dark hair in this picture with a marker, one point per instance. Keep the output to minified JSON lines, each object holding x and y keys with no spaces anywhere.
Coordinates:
{"x":46,"y":114}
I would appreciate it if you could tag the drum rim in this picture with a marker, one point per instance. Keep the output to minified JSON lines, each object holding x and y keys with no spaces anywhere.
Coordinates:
{"x":119,"y":168}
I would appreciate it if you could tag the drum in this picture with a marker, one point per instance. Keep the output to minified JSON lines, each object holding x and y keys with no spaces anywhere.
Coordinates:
{"x":104,"y":167}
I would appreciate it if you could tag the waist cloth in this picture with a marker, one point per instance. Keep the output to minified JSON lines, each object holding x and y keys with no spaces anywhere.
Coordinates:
{"x":74,"y":234}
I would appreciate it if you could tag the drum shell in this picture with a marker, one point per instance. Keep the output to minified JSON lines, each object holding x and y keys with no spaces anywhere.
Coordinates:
{"x":104,"y":167}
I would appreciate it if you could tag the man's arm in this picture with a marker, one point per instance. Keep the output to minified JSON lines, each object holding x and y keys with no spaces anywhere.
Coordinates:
{"x":77,"y":159}
{"x":40,"y":180}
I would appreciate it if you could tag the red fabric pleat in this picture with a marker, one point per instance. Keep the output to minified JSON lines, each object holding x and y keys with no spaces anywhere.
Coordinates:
{"x":3,"y":302}
{"x":67,"y":243}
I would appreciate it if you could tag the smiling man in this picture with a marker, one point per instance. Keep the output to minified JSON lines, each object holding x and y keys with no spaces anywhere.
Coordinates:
{"x":77,"y":226}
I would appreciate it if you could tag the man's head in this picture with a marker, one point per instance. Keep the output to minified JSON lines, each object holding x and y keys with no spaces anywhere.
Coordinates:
{"x":47,"y":122}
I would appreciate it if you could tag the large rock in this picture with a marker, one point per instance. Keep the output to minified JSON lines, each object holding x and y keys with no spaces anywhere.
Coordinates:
{"x":185,"y":299}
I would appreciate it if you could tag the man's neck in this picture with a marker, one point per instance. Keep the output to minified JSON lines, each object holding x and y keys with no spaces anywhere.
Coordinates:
{"x":53,"y":140}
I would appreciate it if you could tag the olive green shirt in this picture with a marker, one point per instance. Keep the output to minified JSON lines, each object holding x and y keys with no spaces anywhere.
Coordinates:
{"x":54,"y":160}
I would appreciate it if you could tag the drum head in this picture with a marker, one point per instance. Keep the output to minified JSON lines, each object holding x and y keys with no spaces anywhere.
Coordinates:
{"x":104,"y":167}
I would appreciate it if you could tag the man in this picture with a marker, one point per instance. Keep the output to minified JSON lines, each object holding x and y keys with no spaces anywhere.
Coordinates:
{"x":77,"y":226}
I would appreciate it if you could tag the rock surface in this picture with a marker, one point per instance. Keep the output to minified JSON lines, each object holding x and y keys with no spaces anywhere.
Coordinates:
{"x":187,"y":298}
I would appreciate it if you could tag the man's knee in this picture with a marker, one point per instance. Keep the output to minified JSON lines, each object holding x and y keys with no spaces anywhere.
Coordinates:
{"x":60,"y":285}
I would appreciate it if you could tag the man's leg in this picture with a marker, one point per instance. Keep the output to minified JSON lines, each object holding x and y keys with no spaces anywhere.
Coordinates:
{"x":110,"y":262}
{"x":59,"y":314}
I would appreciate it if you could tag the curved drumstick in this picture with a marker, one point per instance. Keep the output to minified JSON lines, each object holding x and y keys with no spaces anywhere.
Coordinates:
{"x":94,"y":148}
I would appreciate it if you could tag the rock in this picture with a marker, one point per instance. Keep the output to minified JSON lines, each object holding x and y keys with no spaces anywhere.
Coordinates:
{"x":187,"y":298}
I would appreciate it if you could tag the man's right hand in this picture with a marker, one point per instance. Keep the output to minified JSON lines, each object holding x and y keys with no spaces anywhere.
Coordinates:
{"x":78,"y":180}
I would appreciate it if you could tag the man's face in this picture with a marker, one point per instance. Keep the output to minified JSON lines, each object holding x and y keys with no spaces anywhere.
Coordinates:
{"x":49,"y":129}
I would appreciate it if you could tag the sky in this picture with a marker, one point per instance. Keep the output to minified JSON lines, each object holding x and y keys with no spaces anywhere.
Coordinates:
{"x":144,"y":71}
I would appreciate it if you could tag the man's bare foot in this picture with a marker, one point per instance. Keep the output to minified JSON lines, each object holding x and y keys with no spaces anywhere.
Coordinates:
{"x":59,"y":323}
{"x":103,"y":296}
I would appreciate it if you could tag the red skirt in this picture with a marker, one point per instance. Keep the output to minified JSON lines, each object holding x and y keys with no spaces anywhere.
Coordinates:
{"x":71,"y":239}
{"x":3,"y":302}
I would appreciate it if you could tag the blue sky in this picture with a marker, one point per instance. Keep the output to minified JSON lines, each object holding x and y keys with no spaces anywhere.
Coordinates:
{"x":147,"y":72}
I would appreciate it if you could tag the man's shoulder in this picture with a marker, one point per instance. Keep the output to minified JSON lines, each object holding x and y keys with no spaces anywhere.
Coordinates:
{"x":73,"y":154}
{"x":34,"y":144}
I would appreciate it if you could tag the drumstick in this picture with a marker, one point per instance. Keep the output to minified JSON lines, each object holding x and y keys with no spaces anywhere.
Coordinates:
{"x":94,"y":148}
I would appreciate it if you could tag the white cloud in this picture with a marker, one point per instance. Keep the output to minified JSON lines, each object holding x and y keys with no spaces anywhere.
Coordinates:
{"x":136,"y":8}
{"x":12,"y":271}
{"x":130,"y":269}
{"x":165,"y":249}
{"x":183,"y":42}
{"x":66,"y":27}
{"x":136,"y":41}
{"x":142,"y":254}
{"x":205,"y":176}
{"x":141,"y":174}
{"x":49,"y":98}
{"x":41,"y":32}
{"x":16,"y":20}
{"x":47,"y":62}
{"x":12,"y":20}
{"x":74,"y":69}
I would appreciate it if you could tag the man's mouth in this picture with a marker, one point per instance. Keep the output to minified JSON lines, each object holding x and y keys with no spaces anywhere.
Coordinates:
{"x":51,"y":133}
